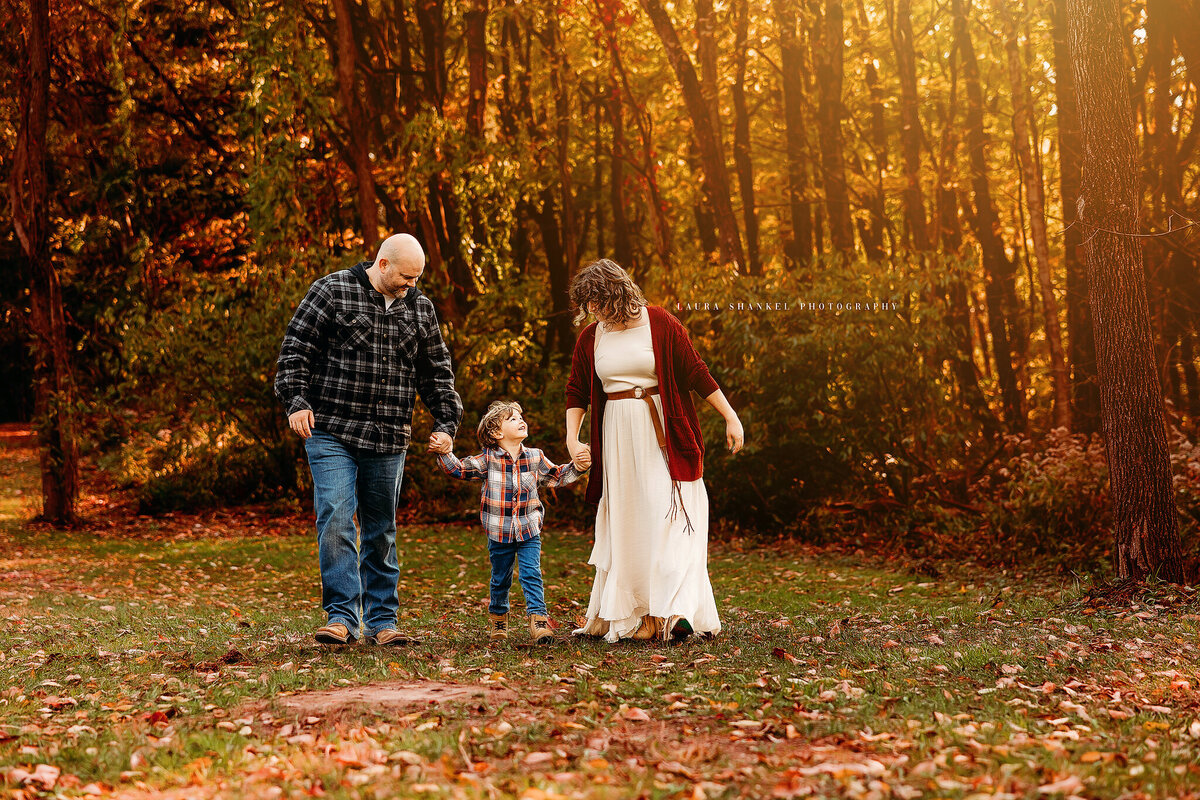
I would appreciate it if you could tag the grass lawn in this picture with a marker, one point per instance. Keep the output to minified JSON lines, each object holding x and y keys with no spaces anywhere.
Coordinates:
{"x":174,"y":657}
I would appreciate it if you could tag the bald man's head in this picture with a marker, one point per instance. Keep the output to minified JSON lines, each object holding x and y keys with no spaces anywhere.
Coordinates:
{"x":398,"y":264}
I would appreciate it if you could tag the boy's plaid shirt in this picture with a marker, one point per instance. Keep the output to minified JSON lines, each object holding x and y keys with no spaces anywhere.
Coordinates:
{"x":510,"y":508}
{"x":359,"y":367}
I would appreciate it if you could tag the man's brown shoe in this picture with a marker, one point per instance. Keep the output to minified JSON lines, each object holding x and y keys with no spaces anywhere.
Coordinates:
{"x":336,"y":633}
{"x":539,"y":628}
{"x":651,"y":628}
{"x":391,"y":637}
{"x":497,"y":627}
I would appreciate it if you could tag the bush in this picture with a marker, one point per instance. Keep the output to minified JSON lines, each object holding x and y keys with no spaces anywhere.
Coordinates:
{"x":1049,"y":499}
{"x":851,"y":404}
{"x":209,"y":430}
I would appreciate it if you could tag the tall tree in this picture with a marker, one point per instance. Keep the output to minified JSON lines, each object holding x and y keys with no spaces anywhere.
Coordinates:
{"x":1081,"y":347}
{"x":475,"y":18}
{"x":1030,"y":167}
{"x":791,"y":65}
{"x":716,"y":174}
{"x":1145,"y":519}
{"x":357,"y":127}
{"x":900,"y":22}
{"x":29,"y":203}
{"x":986,"y":224}
{"x":829,"y":57}
{"x":743,"y":163}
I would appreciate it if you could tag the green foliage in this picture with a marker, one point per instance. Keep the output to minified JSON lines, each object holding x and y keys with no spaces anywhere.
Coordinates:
{"x":844,"y":394}
{"x":204,"y":375}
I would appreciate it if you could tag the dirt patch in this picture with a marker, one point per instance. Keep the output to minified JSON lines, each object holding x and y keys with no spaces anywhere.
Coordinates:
{"x":375,"y":697}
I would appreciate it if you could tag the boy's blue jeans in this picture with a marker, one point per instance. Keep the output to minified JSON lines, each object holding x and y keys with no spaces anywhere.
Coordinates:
{"x":528,"y":557}
{"x":358,"y":575}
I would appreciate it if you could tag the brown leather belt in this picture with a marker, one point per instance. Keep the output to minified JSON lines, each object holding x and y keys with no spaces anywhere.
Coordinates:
{"x":641,"y":393}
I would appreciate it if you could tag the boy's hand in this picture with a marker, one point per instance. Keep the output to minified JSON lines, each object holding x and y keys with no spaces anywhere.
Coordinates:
{"x":583,"y":461}
{"x":440,"y":442}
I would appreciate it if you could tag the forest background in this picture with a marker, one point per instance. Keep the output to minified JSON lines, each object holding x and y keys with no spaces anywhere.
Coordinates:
{"x":207,"y":161}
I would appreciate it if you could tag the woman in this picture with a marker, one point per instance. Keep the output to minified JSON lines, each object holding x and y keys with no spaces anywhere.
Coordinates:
{"x":636,"y":368}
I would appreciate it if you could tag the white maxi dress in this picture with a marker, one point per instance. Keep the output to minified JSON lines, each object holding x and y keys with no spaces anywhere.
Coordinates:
{"x":647,"y":562}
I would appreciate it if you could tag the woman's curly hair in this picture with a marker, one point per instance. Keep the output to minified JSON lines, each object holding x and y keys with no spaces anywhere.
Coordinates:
{"x":609,"y":288}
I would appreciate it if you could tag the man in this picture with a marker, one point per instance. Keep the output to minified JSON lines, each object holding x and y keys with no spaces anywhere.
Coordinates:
{"x":363,"y":343}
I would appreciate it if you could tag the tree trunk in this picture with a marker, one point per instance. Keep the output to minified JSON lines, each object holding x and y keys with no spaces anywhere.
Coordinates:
{"x":871,"y":233}
{"x":986,"y":225}
{"x":609,"y":11}
{"x":716,"y":178}
{"x":1034,"y":191}
{"x":357,"y":123}
{"x":1145,"y":518}
{"x":562,"y":136}
{"x":432,"y":23}
{"x":558,"y":331}
{"x":828,"y":53}
{"x":29,"y":202}
{"x":947,"y":226}
{"x":741,"y":136}
{"x":1081,"y":346}
{"x":706,"y":56}
{"x":791,"y":64}
{"x":910,"y":124}
{"x":618,"y":154}
{"x":475,"y":18}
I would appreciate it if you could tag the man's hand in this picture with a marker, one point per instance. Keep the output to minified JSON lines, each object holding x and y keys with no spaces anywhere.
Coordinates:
{"x":440,"y":442}
{"x":302,"y":422}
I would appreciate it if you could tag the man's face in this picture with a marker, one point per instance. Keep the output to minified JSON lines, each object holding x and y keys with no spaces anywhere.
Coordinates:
{"x":398,"y":278}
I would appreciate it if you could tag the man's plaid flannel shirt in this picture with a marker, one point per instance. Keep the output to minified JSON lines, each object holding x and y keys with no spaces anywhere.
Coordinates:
{"x":359,"y":366}
{"x":510,"y":509}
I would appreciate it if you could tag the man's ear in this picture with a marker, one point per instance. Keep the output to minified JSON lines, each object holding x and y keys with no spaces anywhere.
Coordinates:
{"x":382,"y":264}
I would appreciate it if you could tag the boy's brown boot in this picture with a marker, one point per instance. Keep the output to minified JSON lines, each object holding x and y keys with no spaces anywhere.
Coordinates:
{"x":497,"y":626}
{"x":539,"y":628}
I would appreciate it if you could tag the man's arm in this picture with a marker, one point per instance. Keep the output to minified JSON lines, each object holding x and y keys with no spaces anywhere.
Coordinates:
{"x":303,"y":344}
{"x":435,"y":378}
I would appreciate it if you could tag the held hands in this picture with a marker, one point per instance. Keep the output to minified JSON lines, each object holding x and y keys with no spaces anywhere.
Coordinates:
{"x":735,"y":436}
{"x":302,"y":422}
{"x":440,"y":442}
{"x":581,"y":455}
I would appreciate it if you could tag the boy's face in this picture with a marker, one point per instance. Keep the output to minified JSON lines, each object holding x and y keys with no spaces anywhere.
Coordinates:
{"x":514,"y":428}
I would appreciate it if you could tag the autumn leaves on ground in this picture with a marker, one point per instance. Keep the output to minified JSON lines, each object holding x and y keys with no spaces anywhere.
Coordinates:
{"x":172,"y":656}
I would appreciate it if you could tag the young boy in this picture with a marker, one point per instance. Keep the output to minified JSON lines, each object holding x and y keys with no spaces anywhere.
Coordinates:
{"x":511,"y":512}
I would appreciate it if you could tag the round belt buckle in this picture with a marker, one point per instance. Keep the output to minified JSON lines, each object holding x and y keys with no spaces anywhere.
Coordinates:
{"x":639,"y":392}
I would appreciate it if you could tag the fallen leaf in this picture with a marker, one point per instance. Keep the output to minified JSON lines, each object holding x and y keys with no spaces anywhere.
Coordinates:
{"x":1069,"y":785}
{"x":636,"y":714}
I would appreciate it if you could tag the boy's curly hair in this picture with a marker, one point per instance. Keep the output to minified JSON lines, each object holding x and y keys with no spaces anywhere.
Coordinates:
{"x":606,"y":285}
{"x":488,"y":431}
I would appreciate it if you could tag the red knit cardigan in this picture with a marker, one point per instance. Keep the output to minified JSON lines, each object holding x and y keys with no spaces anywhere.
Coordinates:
{"x":680,"y":371}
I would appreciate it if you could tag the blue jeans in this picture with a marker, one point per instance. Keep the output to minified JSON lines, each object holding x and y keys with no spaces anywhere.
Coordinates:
{"x":358,"y":573}
{"x":528,"y":556}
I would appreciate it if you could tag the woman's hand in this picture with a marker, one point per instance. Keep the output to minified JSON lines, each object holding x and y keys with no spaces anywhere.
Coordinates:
{"x":583,"y":462}
{"x":735,"y":436}
{"x":579,"y":452}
